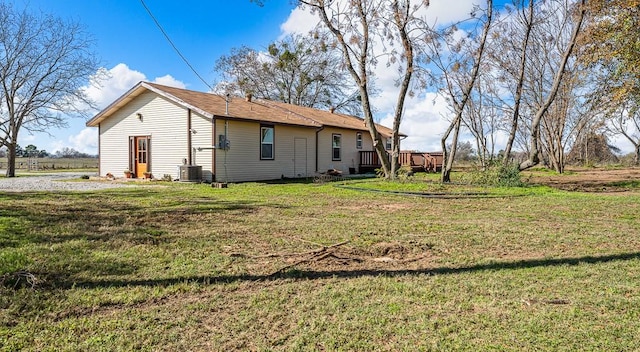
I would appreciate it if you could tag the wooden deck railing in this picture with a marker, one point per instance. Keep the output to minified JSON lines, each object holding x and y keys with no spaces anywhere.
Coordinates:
{"x":418,"y":161}
{"x":369,"y":159}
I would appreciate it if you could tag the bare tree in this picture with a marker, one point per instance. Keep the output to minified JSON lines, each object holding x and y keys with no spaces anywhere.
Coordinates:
{"x":296,"y":70}
{"x":44,"y":63}
{"x":360,"y":29}
{"x":627,"y":123}
{"x":482,"y":118}
{"x":507,"y":53}
{"x":531,"y":51}
{"x":550,"y":37}
{"x":534,"y":158}
{"x":459,"y":69}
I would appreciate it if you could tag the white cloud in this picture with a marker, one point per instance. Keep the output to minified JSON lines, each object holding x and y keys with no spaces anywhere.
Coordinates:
{"x":445,"y":12}
{"x":26,"y":138}
{"x":116,"y":81}
{"x":424,"y":121}
{"x":168,"y":80}
{"x":120,"y":79}
{"x":300,"y":21}
{"x":424,"y":118}
{"x":86,"y":141}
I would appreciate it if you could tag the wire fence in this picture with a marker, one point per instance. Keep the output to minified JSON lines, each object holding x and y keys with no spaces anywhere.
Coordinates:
{"x":43,"y":164}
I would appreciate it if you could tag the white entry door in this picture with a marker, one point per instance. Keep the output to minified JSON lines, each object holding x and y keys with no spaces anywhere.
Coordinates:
{"x":300,"y":157}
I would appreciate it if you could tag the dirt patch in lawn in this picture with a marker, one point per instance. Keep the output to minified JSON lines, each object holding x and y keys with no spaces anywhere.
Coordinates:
{"x":343,"y":256}
{"x":592,"y":180}
{"x":389,"y":207}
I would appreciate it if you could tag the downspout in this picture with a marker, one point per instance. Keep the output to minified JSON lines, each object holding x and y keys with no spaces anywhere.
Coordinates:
{"x":226,"y":152}
{"x":99,"y":153}
{"x":317,"y":143}
{"x":189,"y":146}
{"x":213,"y":151}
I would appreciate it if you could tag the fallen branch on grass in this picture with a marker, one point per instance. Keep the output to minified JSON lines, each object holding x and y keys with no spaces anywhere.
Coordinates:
{"x":332,"y":252}
{"x":19,"y":279}
{"x":281,"y":255}
{"x":317,"y":254}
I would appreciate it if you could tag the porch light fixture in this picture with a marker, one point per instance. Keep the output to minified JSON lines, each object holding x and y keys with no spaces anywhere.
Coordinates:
{"x":139,"y":116}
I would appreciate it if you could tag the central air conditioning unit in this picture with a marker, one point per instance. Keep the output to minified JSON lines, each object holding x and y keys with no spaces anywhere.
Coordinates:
{"x":190,"y":173}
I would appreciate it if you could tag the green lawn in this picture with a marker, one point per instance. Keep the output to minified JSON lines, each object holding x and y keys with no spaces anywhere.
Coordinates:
{"x":169,"y":266}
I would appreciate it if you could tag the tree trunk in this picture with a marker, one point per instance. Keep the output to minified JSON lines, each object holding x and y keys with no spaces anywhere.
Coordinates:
{"x":518,"y":96}
{"x":534,"y":152}
{"x":383,"y":156}
{"x":447,"y":158}
{"x":11,"y":160}
{"x":395,"y":154}
{"x":637,"y":158}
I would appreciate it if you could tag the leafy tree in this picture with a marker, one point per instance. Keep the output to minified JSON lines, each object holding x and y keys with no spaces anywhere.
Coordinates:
{"x":19,"y":150}
{"x":30,"y":151}
{"x":67,"y":152}
{"x":611,"y":42}
{"x":296,"y":70}
{"x":465,"y":151}
{"x":44,"y":63}
{"x":591,"y":149}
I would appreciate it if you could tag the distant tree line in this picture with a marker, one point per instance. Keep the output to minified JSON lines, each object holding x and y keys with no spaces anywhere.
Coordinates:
{"x":31,"y":151}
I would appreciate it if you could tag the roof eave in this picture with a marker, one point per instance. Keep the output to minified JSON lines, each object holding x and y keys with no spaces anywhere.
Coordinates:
{"x":134,"y":92}
{"x":117,"y":104}
{"x":238,"y":118}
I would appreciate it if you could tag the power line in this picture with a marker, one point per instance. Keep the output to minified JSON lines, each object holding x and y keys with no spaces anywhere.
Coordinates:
{"x":173,"y":45}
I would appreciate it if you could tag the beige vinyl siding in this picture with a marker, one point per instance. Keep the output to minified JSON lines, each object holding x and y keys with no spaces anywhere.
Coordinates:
{"x":202,"y":138}
{"x":241,"y":162}
{"x":349,"y":153}
{"x":163,"y":120}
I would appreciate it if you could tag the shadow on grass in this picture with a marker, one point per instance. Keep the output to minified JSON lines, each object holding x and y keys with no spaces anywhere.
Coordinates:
{"x":56,"y":217}
{"x":309,"y":275}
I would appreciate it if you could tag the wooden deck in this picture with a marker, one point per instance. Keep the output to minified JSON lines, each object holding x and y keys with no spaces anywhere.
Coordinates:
{"x":418,"y":161}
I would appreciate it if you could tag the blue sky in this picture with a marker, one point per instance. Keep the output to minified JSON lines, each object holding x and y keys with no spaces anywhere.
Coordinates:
{"x":202,"y":30}
{"x":124,"y":34}
{"x":132,"y":48}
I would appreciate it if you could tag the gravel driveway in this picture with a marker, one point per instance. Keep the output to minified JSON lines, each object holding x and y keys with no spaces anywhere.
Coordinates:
{"x":53,"y":182}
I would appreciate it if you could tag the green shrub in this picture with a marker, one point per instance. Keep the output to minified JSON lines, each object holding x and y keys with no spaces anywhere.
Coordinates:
{"x":497,"y":174}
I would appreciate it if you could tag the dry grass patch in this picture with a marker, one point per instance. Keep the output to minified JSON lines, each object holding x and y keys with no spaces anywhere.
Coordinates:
{"x":315,"y":267}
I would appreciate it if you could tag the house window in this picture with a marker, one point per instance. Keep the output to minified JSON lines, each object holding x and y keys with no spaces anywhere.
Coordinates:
{"x":336,"y":146}
{"x":359,"y":140}
{"x":266,"y":142}
{"x":388,"y":144}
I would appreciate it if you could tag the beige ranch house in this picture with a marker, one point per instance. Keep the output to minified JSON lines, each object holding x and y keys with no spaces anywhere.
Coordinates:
{"x":158,"y":130}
